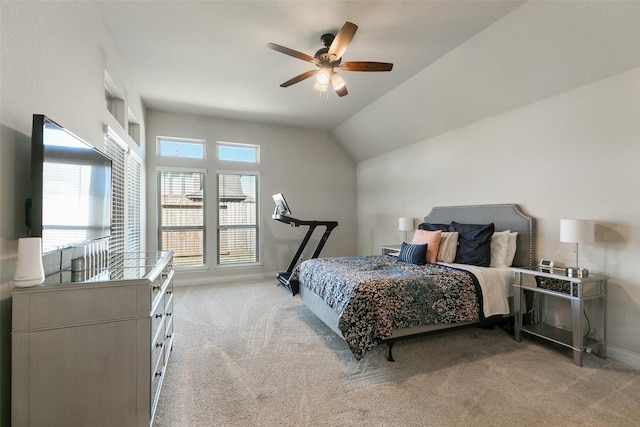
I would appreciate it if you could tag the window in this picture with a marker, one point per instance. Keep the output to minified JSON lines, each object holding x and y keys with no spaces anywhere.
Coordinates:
{"x":238,"y":152}
{"x":134,"y":225}
{"x":238,"y":232}
{"x":181,"y":148}
{"x":181,"y":215}
{"x":125,"y":211}
{"x":118,"y":220}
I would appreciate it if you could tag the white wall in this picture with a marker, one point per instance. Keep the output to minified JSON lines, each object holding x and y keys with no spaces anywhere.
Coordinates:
{"x":574,"y":155}
{"x":53,"y":61}
{"x":314,"y":173}
{"x":541,"y":49}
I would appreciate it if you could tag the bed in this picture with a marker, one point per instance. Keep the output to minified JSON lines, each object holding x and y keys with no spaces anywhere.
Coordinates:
{"x":378,"y":299}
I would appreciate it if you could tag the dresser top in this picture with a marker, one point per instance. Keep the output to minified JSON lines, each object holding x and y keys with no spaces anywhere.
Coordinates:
{"x":127,"y":266}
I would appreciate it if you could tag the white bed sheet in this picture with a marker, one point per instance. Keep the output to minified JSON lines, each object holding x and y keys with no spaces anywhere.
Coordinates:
{"x":496,"y":285}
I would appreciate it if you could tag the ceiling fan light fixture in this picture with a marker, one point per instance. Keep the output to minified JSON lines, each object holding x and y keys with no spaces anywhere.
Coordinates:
{"x":323,"y":76}
{"x":337,"y":82}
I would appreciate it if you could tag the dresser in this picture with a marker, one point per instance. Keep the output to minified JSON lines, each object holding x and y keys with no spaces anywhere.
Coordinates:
{"x":92,"y":349}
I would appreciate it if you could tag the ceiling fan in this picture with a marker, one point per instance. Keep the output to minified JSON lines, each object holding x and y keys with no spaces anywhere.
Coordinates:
{"x":330,"y":57}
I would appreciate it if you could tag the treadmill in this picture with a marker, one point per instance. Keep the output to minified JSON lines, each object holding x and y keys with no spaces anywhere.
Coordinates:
{"x":281,"y":214}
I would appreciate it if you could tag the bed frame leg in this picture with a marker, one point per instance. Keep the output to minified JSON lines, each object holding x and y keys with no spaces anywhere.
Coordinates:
{"x":390,"y":355}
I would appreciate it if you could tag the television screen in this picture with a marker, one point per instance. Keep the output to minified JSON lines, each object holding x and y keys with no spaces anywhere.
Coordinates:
{"x":71,"y":183}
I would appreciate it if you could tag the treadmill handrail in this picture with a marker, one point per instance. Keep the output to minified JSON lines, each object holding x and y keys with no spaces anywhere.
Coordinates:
{"x":294,"y":222}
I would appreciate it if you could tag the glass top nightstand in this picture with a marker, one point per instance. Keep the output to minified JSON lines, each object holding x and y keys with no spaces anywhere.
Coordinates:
{"x":554,"y":283}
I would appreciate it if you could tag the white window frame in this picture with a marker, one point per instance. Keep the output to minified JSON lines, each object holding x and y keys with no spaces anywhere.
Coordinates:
{"x":257,"y":225}
{"x":239,"y":145}
{"x":160,"y":169}
{"x":202,"y":142}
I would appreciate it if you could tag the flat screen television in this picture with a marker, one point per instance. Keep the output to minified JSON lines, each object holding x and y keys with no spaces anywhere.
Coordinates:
{"x":71,"y":187}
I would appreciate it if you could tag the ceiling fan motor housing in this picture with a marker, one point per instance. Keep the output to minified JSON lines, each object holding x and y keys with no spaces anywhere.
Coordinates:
{"x":327,"y":39}
{"x":322,"y":54}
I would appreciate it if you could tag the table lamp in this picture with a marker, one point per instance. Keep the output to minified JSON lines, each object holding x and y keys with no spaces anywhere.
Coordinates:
{"x":405,"y":224}
{"x":577,"y":231}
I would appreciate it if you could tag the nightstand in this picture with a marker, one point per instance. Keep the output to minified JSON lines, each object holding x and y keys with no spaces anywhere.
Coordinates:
{"x":553,"y":283}
{"x":391,"y":250}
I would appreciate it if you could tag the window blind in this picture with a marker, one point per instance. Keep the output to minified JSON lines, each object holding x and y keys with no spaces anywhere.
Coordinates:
{"x":116,"y":241}
{"x":181,"y":216}
{"x":238,"y":231}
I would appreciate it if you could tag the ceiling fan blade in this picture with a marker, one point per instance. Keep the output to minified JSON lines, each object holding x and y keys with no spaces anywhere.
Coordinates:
{"x":299,"y":78}
{"x":292,"y":52}
{"x":342,"y":40}
{"x":365,"y":66}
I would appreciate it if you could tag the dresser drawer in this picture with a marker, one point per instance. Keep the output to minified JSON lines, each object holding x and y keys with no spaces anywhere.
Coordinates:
{"x":158,"y":369}
{"x":168,"y":308}
{"x":157,"y":324}
{"x":157,"y":377}
{"x":156,"y":290}
{"x":65,"y":307}
{"x":157,"y":353}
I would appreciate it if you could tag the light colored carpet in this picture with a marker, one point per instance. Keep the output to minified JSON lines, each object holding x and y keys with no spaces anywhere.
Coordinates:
{"x":249,"y":354}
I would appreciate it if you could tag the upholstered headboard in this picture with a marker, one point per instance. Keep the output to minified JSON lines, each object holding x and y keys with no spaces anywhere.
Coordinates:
{"x":504,"y":217}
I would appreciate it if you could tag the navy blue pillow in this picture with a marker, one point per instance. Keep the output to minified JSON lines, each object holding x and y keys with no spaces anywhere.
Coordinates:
{"x":434,"y":227}
{"x":415,"y":254}
{"x":474,"y":243}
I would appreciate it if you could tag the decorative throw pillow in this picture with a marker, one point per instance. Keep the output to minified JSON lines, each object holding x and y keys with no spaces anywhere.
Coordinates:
{"x":499,"y":244}
{"x":448,"y":247}
{"x":414,"y":254}
{"x":432,"y":239}
{"x":474,"y":243}
{"x":511,"y":249}
{"x":434,"y":227}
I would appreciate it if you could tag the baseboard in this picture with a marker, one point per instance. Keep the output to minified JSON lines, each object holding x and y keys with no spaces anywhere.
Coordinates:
{"x":623,"y":355}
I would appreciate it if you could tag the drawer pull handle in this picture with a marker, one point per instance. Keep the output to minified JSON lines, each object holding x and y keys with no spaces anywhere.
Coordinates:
{"x":169,"y":314}
{"x":169,"y":291}
{"x":159,"y":344}
{"x":158,"y":374}
{"x":169,"y":336}
{"x":156,"y":287}
{"x":159,"y":316}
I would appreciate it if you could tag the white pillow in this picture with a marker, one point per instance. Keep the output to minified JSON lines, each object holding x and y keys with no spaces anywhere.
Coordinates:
{"x":511,"y":248}
{"x":499,"y":245}
{"x":448,"y":247}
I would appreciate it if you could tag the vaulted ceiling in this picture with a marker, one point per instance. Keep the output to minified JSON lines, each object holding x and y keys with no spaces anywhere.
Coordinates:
{"x":455,"y":62}
{"x":210,"y":57}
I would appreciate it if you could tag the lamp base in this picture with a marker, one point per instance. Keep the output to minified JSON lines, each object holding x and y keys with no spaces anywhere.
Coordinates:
{"x":577,"y":272}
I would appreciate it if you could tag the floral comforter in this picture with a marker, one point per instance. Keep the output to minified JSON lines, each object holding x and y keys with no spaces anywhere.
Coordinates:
{"x":376,"y":294}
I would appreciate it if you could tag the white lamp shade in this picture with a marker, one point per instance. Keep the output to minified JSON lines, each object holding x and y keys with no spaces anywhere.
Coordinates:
{"x":29,"y":270}
{"x":577,"y":231}
{"x":405,"y":224}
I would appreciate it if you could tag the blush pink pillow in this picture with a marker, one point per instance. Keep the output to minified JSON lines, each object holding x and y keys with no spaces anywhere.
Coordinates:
{"x":432,"y":239}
